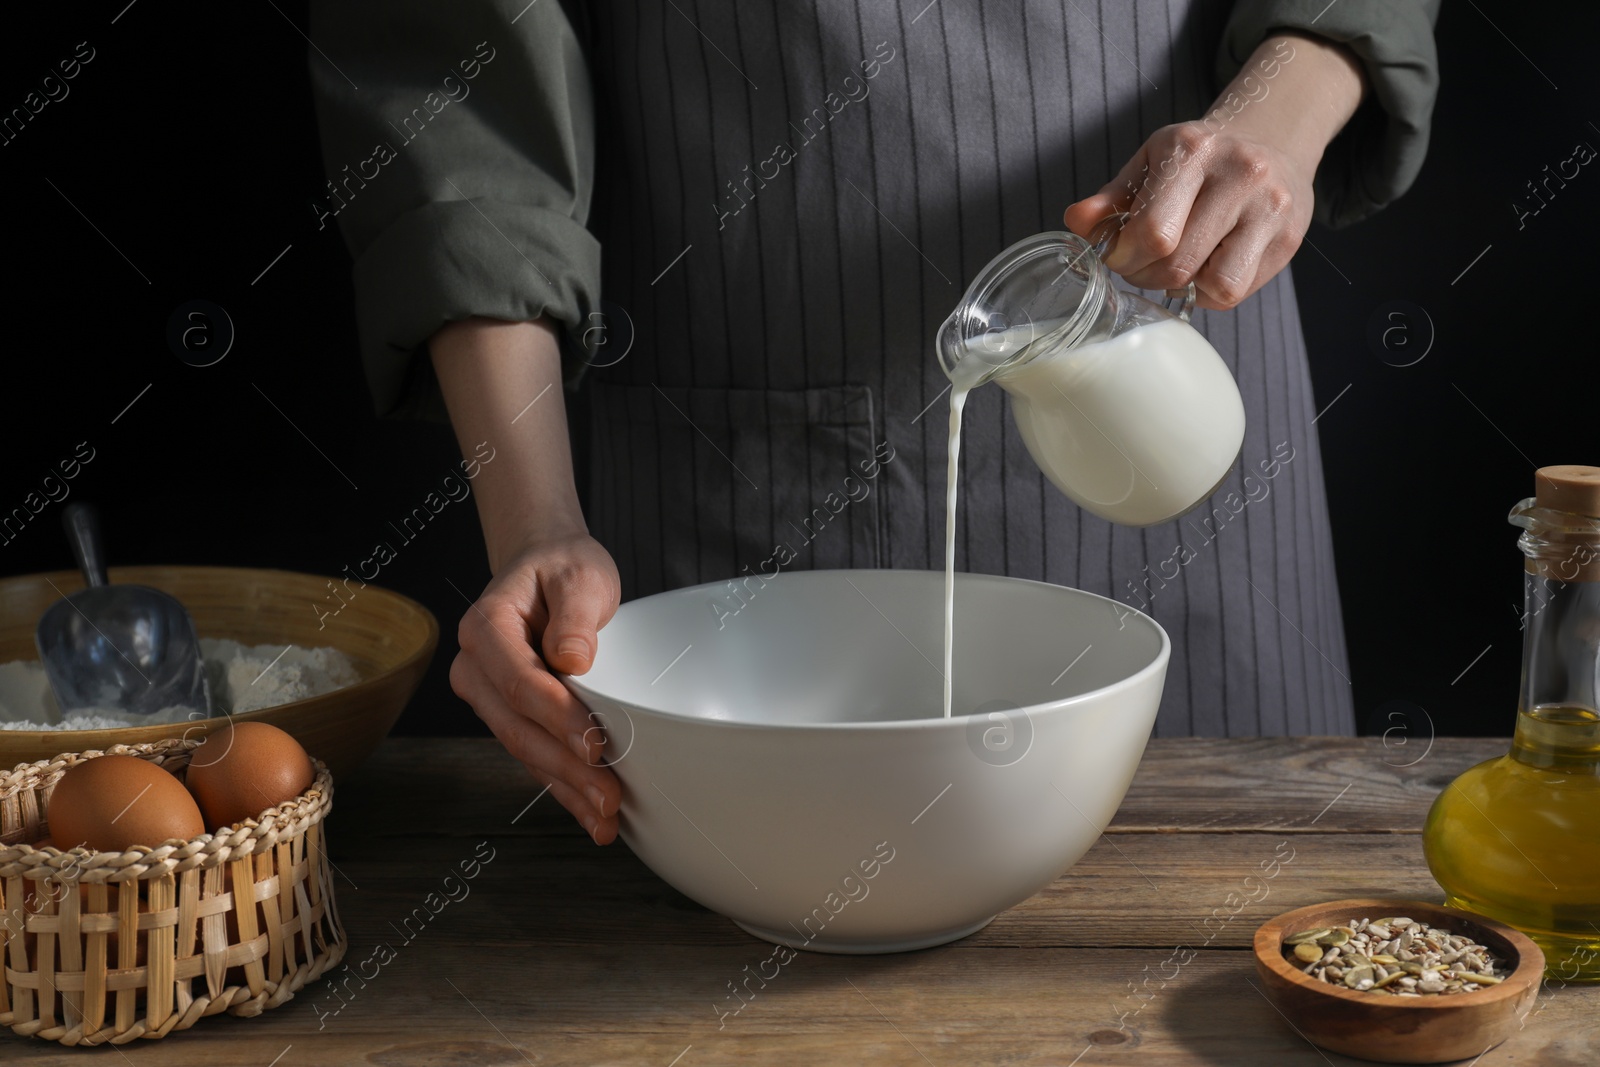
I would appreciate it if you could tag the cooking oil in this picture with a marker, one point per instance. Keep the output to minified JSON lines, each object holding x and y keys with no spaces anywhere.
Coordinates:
{"x":1517,"y":838}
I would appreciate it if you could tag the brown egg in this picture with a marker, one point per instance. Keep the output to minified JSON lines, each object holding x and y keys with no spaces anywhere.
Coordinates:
{"x":245,"y":768}
{"x":112,"y":803}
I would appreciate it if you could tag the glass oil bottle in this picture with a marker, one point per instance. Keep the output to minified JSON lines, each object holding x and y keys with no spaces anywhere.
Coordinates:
{"x":1517,"y":838}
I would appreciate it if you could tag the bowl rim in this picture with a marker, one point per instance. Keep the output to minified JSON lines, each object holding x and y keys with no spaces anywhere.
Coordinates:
{"x":1158,"y":663}
{"x":423,"y":651}
{"x":1528,"y":972}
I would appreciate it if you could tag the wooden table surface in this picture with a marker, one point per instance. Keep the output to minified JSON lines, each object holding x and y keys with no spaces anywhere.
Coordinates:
{"x":559,"y":952}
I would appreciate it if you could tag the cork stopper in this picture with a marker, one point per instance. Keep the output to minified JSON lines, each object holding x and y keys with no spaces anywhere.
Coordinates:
{"x":1569,"y":555}
{"x":1568,"y":487}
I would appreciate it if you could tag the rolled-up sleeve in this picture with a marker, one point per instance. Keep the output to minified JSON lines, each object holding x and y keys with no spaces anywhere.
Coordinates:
{"x":458,"y":142}
{"x":1377,"y":155}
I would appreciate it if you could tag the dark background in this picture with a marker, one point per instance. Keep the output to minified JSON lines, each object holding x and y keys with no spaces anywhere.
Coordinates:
{"x":189,"y":143}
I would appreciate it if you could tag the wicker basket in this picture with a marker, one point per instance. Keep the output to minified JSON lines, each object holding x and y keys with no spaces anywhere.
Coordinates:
{"x":109,"y":947}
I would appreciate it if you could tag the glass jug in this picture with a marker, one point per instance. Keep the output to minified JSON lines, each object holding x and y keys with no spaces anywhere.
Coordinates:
{"x":1124,"y":406}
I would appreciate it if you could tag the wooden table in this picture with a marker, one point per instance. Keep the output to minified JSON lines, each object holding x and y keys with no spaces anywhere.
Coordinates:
{"x":559,"y":952}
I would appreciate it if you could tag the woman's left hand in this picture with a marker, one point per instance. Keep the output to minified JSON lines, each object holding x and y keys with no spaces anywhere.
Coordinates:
{"x":1224,"y":210}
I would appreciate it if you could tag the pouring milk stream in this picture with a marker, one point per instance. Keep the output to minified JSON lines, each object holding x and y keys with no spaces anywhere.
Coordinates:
{"x":1124,"y":406}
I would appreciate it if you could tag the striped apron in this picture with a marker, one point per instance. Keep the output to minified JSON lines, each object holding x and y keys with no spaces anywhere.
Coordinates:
{"x":792,"y":196}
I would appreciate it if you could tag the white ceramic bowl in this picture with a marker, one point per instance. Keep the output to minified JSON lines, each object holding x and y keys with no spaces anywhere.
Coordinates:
{"x":786,"y":762}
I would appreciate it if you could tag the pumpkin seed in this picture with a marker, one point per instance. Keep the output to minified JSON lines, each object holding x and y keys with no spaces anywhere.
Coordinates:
{"x":1307,"y":936}
{"x":1356,"y":975}
{"x":1483,"y":979}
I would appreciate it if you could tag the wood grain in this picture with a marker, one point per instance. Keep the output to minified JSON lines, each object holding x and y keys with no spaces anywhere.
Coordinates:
{"x":1184,"y":785}
{"x":1143,"y":890}
{"x":564,"y":953}
{"x":1213,"y":784}
{"x":438,"y":1004}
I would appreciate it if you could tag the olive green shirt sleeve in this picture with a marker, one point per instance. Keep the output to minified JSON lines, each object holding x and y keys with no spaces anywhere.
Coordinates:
{"x":458,"y":143}
{"x":1376,"y":157}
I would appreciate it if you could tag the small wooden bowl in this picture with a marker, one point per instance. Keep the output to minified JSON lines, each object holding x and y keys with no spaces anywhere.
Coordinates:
{"x":389,"y":637}
{"x":1429,"y":1029}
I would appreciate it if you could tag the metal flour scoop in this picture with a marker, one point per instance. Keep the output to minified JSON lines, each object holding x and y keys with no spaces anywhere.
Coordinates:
{"x":125,"y":648}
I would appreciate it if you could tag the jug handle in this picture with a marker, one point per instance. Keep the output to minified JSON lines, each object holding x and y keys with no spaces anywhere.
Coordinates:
{"x":1179,"y":301}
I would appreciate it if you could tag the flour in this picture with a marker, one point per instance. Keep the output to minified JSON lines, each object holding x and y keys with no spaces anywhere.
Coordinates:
{"x":241,"y":677}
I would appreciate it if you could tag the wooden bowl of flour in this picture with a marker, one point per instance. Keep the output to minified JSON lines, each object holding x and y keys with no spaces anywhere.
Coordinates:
{"x":389,"y":638}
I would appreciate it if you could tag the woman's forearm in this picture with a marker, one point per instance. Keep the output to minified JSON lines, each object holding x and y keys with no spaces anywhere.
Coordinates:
{"x":1296,"y":92}
{"x":502,"y":385}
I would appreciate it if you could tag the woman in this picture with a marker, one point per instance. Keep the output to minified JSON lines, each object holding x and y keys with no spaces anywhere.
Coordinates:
{"x":790,"y":198}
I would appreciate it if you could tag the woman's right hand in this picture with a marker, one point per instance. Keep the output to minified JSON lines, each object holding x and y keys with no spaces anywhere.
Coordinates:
{"x":541,"y":613}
